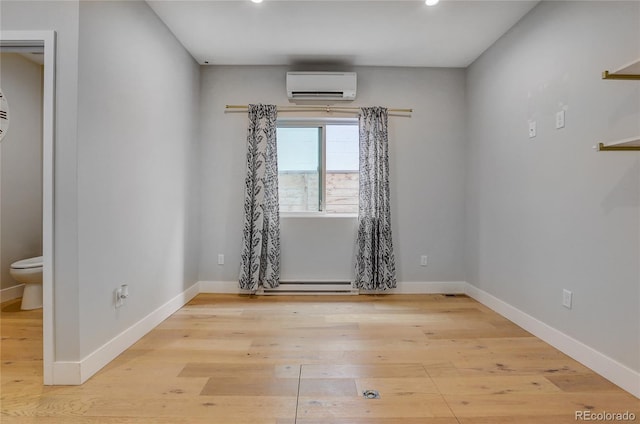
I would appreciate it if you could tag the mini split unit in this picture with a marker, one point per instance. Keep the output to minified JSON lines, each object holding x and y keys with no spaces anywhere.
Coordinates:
{"x":321,"y":86}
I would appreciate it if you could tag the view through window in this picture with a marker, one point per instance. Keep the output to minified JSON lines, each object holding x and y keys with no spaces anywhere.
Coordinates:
{"x":318,"y":166}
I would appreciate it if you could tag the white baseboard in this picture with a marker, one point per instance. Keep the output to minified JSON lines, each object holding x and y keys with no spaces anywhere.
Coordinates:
{"x":11,"y":293}
{"x":405,"y":287}
{"x":607,"y":367}
{"x":74,"y":373}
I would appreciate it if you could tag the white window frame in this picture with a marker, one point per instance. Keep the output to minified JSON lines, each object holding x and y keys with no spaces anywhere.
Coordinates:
{"x":308,"y":122}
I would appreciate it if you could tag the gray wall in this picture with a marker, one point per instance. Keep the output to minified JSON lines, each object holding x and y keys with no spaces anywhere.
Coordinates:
{"x":125,"y":203}
{"x":427,"y":159}
{"x":63,"y":18}
{"x":549,"y":213}
{"x":21,"y":167}
{"x":137,"y":151}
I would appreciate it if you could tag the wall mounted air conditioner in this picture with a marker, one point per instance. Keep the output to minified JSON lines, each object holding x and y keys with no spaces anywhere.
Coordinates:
{"x":321,"y":87}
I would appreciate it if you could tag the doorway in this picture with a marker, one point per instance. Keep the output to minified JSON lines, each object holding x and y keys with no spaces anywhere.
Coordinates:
{"x":46,"y":41}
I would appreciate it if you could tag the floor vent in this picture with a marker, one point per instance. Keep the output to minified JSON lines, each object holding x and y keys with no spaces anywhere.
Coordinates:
{"x":309,"y":288}
{"x":371,"y":394}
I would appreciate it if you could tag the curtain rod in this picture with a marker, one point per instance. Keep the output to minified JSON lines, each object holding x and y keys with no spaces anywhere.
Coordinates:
{"x":328,"y":109}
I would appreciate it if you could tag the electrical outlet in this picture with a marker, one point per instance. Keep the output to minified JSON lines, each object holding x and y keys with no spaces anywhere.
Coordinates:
{"x":423,"y":260}
{"x":122,"y":293}
{"x":221,"y":259}
{"x":560,"y":119}
{"x":532,"y":129}
{"x":566,"y":298}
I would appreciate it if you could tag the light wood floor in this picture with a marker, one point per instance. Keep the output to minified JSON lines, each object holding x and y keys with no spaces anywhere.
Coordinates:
{"x":306,"y":360}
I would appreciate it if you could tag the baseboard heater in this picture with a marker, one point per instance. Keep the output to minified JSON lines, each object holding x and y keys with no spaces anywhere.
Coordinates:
{"x":310,"y":287}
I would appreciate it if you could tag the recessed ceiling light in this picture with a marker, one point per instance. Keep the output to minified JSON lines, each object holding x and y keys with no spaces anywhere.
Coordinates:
{"x":431,"y":2}
{"x":256,"y":1}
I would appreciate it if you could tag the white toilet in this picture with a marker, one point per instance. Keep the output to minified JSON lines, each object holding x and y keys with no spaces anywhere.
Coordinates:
{"x":29,"y":272}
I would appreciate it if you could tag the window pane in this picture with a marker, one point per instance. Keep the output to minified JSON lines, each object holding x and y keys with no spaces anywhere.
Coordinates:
{"x":342,"y":169}
{"x":342,"y":147}
{"x":298,"y":169}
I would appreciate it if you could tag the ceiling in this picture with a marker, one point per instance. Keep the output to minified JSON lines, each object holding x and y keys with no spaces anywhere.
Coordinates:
{"x":347,"y":33}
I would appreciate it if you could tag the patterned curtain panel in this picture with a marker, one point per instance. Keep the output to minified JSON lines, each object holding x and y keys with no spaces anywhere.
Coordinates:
{"x":375,"y":262}
{"x":260,"y":259}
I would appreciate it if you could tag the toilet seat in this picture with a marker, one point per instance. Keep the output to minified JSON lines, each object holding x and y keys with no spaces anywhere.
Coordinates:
{"x":28,"y":263}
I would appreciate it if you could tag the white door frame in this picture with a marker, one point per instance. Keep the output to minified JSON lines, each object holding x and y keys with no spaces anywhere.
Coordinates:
{"x":46,"y":39}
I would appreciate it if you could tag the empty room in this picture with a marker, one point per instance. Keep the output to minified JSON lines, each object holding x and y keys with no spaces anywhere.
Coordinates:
{"x":319,"y":211}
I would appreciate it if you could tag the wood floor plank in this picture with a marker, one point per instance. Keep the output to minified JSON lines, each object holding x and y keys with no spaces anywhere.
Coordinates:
{"x":337,"y":344}
{"x":136,"y":420}
{"x":331,"y":387}
{"x":372,"y":420}
{"x":191,"y":344}
{"x":219,"y":409}
{"x":469,"y":332}
{"x":582,"y":383}
{"x":222,"y":371}
{"x":242,"y":386}
{"x":60,"y":404}
{"x":503,"y":364}
{"x":498,"y":385}
{"x":398,"y":385}
{"x":520,"y":419}
{"x":363,"y":371}
{"x":396,"y":407}
{"x":542,"y":404}
{"x":406,"y":319}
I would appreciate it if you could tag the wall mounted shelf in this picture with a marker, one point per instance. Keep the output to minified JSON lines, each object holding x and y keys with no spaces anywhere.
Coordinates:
{"x":628,"y":144}
{"x":630,"y":71}
{"x":627,"y":72}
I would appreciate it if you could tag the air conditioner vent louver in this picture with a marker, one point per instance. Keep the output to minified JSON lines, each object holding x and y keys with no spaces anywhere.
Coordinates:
{"x":315,"y":86}
{"x":331,"y":94}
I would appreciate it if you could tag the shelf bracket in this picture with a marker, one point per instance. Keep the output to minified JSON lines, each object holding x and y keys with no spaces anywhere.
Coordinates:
{"x":607,"y":75}
{"x":603,"y":148}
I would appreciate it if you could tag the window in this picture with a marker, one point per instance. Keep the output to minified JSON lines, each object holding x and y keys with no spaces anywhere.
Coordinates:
{"x":318,"y":166}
